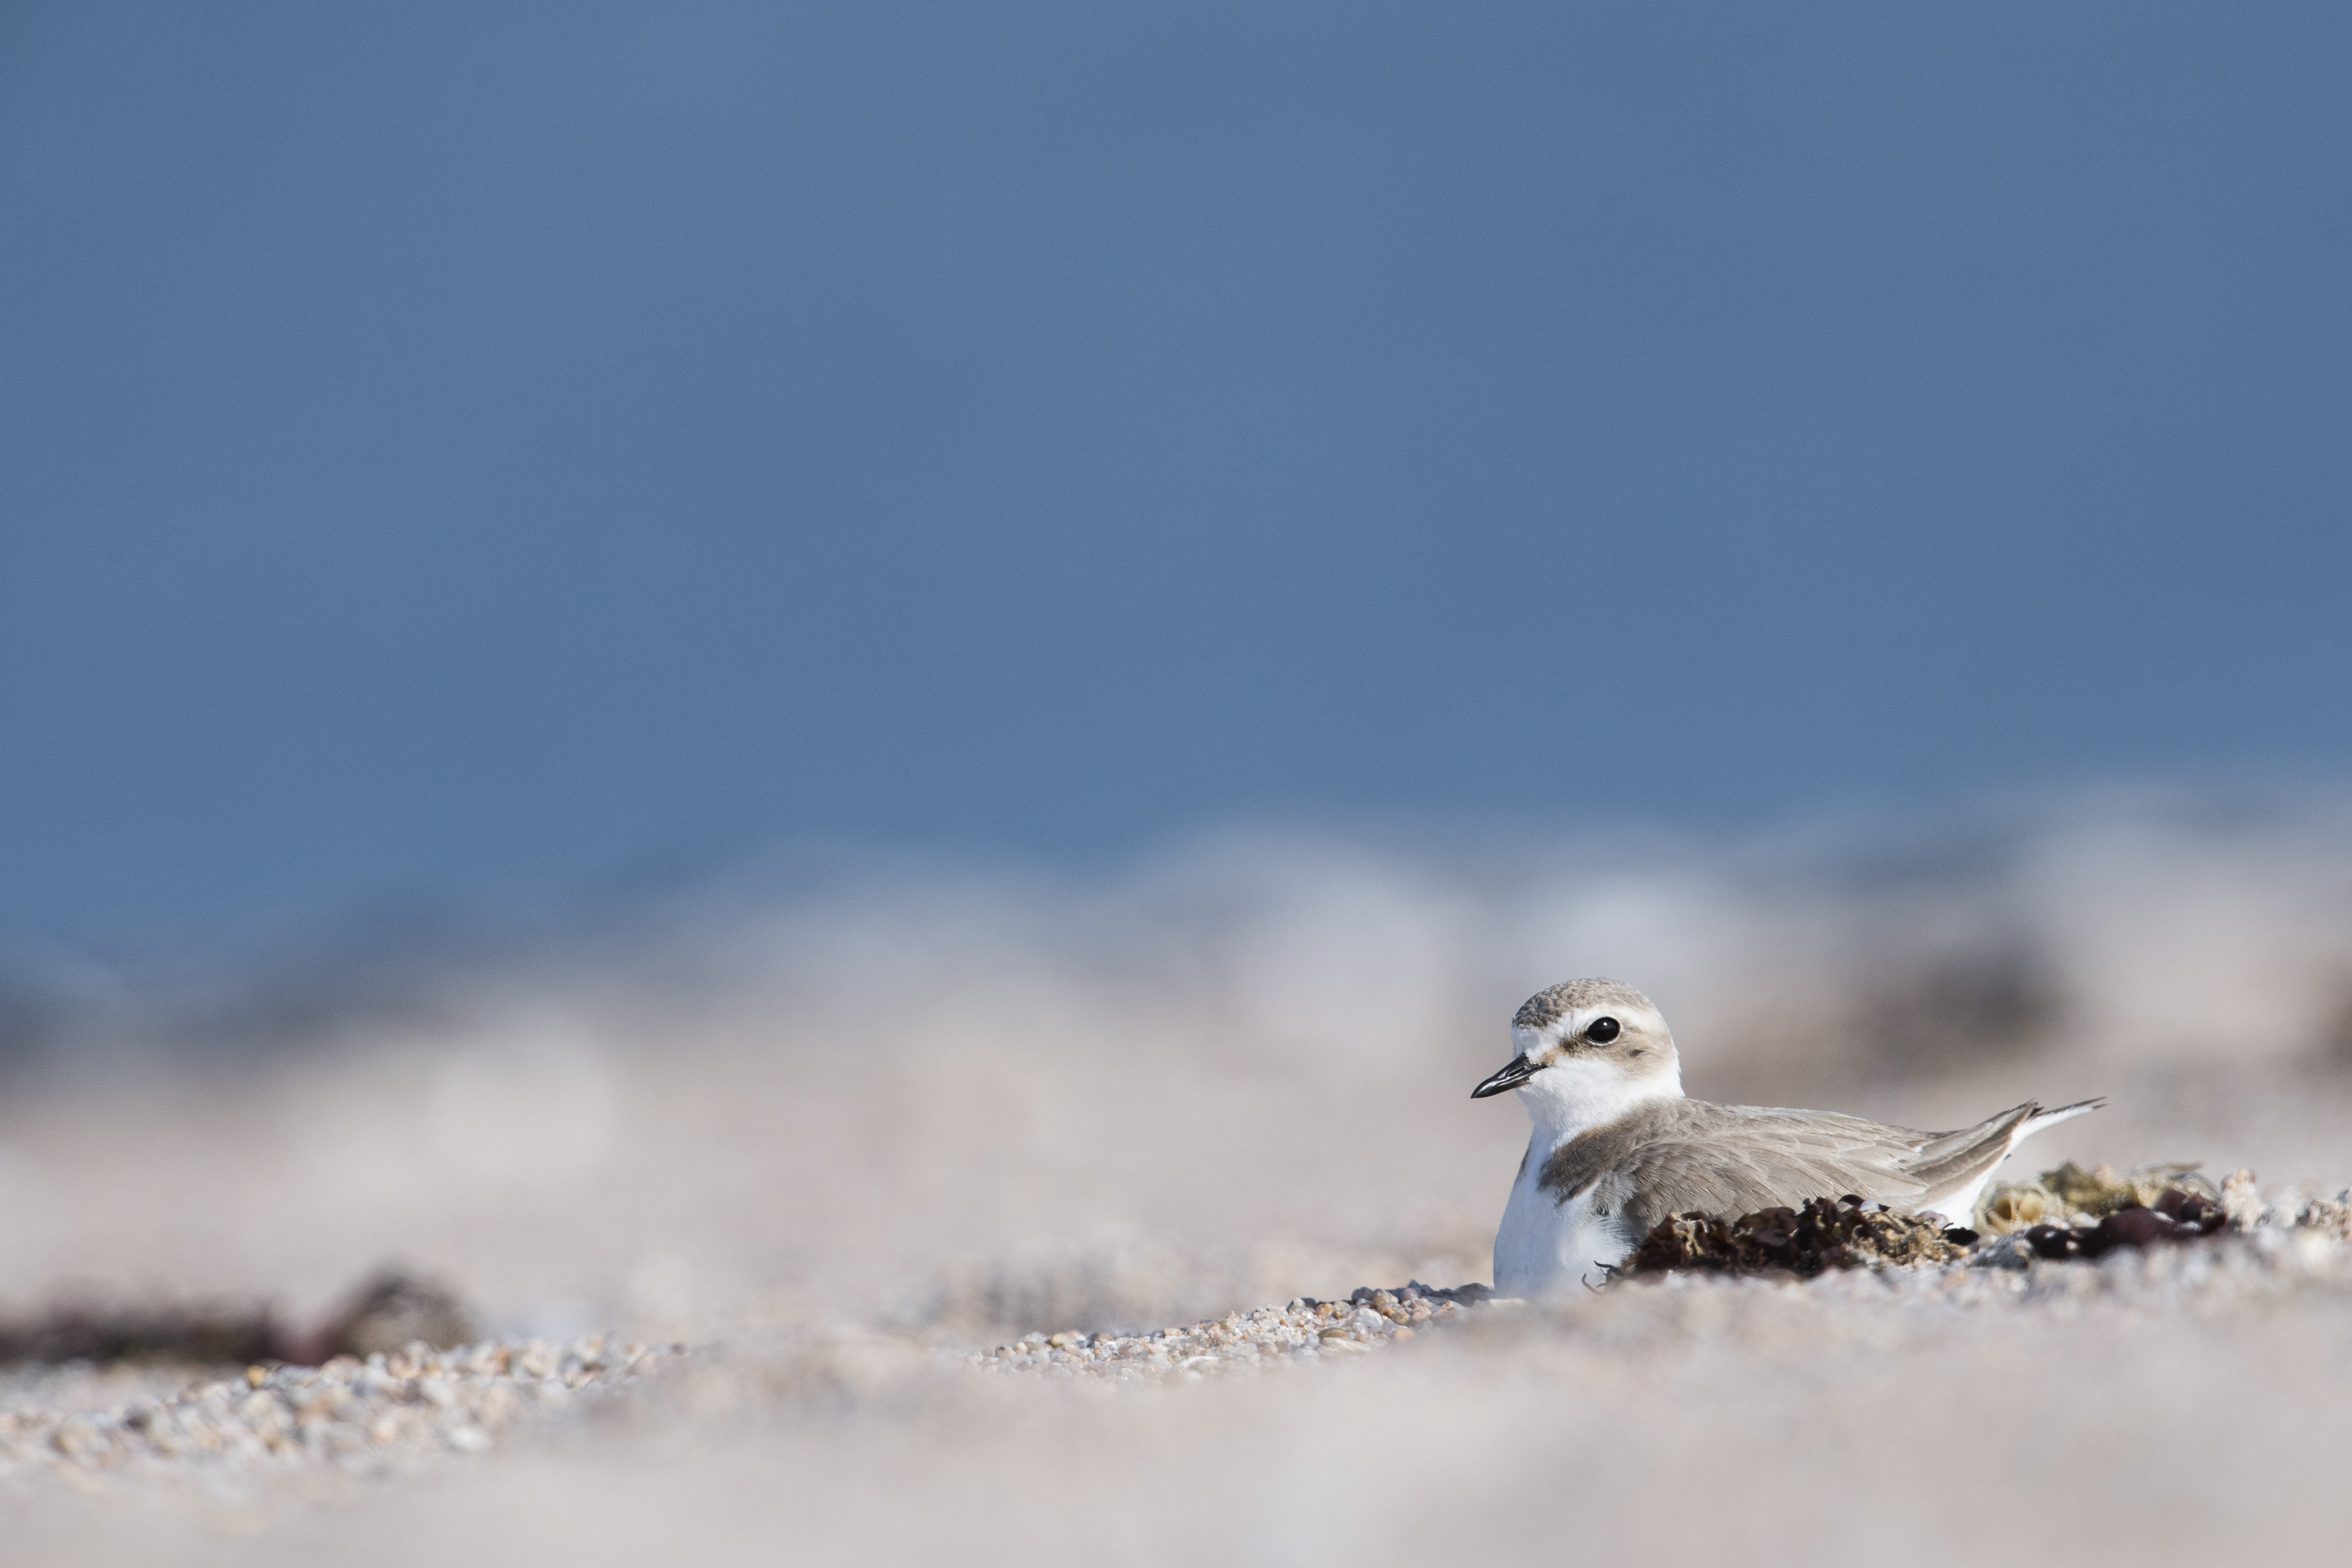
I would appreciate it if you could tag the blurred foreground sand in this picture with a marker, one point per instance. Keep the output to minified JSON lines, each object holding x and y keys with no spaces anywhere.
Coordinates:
{"x":830,"y":1142}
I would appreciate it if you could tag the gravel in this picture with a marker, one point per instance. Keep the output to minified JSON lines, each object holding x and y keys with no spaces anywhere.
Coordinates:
{"x":1304,"y":1332}
{"x":392,"y":1411}
{"x":387,"y":1410}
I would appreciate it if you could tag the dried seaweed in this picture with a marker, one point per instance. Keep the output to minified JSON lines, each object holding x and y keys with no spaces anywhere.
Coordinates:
{"x":1821,"y":1235}
{"x":1850,"y":1233}
{"x":2070,"y":1194}
{"x":390,"y":1311}
{"x":205,"y":1335}
{"x":2176,"y":1215}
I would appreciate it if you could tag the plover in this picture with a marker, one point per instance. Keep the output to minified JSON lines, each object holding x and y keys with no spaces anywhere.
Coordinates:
{"x":1617,"y":1148}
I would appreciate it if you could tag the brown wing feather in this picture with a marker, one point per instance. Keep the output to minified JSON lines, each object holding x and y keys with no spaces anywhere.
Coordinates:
{"x":1674,"y":1156}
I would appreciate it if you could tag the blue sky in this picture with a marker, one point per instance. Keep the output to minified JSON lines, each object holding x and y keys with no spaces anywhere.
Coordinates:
{"x":454,"y":452}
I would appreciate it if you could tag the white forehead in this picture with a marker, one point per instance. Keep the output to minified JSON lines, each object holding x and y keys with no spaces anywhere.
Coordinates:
{"x":1639,"y":1016}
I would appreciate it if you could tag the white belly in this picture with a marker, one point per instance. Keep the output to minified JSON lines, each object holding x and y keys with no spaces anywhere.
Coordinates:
{"x":1545,"y":1248}
{"x":1960,"y":1208}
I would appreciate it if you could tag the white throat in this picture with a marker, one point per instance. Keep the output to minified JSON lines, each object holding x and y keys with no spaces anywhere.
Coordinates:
{"x":1580,"y":1093}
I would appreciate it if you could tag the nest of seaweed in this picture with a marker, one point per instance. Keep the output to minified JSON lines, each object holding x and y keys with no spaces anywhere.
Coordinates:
{"x":2069,"y":1212}
{"x":1843,"y":1233}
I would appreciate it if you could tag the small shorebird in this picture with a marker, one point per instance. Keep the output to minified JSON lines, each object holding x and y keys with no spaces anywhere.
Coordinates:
{"x":1617,"y":1148}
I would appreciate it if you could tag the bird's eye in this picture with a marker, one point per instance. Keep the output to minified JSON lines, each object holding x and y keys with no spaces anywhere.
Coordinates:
{"x":1601,"y":1031}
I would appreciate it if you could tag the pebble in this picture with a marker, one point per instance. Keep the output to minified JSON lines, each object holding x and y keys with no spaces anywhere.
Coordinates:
{"x":416,"y":1401}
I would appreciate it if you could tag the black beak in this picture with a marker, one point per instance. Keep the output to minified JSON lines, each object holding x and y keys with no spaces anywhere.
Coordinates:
{"x":1518,"y":1072}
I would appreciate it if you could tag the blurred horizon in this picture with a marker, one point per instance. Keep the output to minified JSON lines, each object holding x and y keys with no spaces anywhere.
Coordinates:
{"x":1843,"y":954}
{"x":475,"y":463}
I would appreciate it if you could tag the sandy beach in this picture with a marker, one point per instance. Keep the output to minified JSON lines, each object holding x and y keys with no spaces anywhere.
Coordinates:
{"x":735,"y":1217}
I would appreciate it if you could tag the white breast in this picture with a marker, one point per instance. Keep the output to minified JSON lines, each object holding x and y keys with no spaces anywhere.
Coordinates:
{"x":1544,"y":1248}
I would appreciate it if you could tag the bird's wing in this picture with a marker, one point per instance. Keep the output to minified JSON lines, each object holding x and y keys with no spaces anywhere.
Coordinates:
{"x":1731,"y":1160}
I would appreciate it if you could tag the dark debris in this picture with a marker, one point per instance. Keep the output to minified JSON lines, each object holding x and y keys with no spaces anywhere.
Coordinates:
{"x":2175,"y":1216}
{"x":390,"y":1311}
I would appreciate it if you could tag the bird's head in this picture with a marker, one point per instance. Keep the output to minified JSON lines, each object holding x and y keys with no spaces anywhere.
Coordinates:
{"x":1591,"y":1045}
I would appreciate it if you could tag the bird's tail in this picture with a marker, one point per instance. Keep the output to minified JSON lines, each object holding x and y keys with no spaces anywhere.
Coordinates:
{"x":2042,"y":1119}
